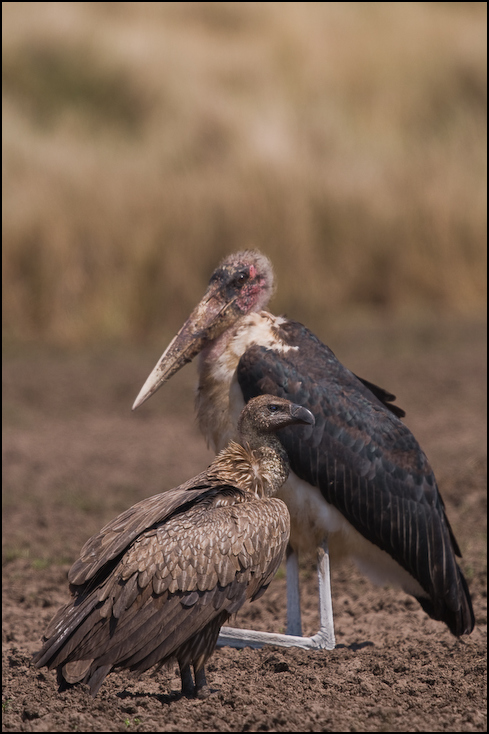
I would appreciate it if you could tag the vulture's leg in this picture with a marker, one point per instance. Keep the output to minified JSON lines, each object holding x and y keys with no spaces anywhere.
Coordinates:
{"x":188,"y":688}
{"x":202,"y":690}
{"x":294,"y":623}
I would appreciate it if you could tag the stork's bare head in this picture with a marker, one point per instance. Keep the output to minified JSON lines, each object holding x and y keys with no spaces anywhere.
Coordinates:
{"x":242,"y":283}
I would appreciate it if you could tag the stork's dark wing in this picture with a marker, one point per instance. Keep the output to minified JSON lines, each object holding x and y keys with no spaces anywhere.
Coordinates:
{"x":384,"y":396}
{"x":367,"y":464}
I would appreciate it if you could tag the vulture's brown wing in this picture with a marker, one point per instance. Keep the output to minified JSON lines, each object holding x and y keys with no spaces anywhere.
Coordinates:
{"x":174,"y":579}
{"x":119,"y":533}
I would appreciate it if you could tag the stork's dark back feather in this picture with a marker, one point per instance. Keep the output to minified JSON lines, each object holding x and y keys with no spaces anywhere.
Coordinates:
{"x":384,"y":396}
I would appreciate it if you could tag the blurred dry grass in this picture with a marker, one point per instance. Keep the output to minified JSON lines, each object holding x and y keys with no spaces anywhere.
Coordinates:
{"x":144,"y":141}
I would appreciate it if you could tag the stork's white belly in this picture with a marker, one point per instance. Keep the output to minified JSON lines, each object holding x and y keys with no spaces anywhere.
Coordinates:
{"x":312,"y":519}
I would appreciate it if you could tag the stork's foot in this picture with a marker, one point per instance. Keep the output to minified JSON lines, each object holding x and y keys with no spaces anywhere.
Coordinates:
{"x":251,"y":638}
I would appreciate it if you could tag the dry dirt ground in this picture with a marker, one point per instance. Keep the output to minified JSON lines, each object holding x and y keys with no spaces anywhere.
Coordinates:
{"x":75,"y":456}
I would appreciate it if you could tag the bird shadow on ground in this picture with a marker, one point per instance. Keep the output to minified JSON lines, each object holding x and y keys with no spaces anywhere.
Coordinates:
{"x":163,"y":698}
{"x":355,"y":646}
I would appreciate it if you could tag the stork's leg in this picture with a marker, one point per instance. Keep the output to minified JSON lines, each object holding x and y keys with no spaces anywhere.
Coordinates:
{"x":326,"y":623}
{"x":294,"y":623}
{"x":323,"y":640}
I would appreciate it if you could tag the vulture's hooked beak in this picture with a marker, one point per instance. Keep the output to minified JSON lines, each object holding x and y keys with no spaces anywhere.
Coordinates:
{"x":302,"y":415}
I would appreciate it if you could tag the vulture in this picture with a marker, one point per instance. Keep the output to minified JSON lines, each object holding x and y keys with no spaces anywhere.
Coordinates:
{"x":157,"y":583}
{"x":360,"y":485}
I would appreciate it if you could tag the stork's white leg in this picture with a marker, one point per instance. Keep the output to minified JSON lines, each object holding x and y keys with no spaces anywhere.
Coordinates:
{"x":323,"y":640}
{"x":294,"y":623}
{"x":326,"y":622}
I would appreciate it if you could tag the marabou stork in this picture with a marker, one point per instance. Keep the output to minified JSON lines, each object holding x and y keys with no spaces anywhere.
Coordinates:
{"x":158,"y":582}
{"x":359,"y":479}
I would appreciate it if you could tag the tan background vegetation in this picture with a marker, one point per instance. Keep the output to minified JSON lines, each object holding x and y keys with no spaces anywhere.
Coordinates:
{"x":143,"y":141}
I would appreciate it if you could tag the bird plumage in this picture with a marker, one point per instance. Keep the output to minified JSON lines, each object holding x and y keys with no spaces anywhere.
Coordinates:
{"x":358,"y":476}
{"x":368,"y":465}
{"x":157,"y":582}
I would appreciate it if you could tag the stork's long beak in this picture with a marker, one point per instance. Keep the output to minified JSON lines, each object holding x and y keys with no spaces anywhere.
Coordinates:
{"x":208,"y":320}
